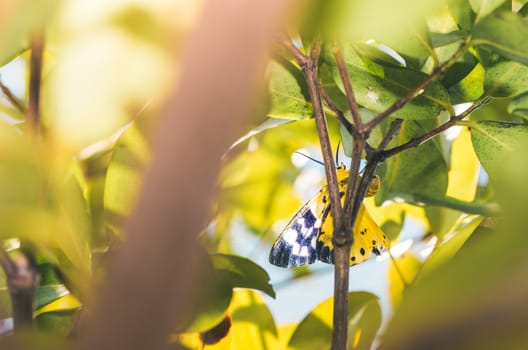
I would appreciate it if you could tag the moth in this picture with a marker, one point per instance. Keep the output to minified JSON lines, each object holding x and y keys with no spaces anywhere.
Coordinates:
{"x":308,"y":235}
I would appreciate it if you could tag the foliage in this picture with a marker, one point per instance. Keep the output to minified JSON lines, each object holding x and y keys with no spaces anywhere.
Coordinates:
{"x":455,"y":281}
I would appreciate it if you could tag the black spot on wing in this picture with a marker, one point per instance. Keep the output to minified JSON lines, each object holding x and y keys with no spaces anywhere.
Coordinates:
{"x":324,"y":253}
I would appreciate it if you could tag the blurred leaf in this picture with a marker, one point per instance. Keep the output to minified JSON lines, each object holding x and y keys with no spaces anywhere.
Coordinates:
{"x":142,"y":24}
{"x":124,"y":174}
{"x":476,"y":300}
{"x":484,"y":7}
{"x":240,"y":272}
{"x":58,"y":322}
{"x":519,"y":106}
{"x":494,"y":142}
{"x":20,"y":19}
{"x":462,"y":13}
{"x":398,"y":24}
{"x":523,"y":11}
{"x":377,"y":87}
{"x":505,"y":33}
{"x":315,"y":330}
{"x":253,"y":325}
{"x":442,"y":39}
{"x":5,"y":298}
{"x":445,"y":251}
{"x":375,"y":54}
{"x":288,"y":91}
{"x":64,"y":303}
{"x":49,"y":293}
{"x":267,"y":124}
{"x":96,"y":102}
{"x":506,"y":79}
{"x":402,"y":272}
{"x":419,"y":171}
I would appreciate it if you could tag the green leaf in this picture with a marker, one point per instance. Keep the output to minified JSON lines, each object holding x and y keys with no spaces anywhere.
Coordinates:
{"x":288,"y":92}
{"x":494,"y":142}
{"x":519,"y":106}
{"x":377,"y":87}
{"x":421,"y":170}
{"x":470,"y":88}
{"x":240,"y":272}
{"x":506,"y":79}
{"x":315,"y":330}
{"x":460,"y":69}
{"x":504,"y":33}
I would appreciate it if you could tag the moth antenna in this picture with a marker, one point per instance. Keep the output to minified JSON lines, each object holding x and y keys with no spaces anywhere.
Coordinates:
{"x":337,"y":153}
{"x":312,"y":159}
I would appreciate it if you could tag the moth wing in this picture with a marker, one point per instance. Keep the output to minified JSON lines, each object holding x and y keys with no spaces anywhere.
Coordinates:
{"x":368,"y":239}
{"x":296,"y":245}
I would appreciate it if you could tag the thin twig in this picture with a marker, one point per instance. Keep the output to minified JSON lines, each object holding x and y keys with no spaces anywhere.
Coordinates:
{"x":345,"y":78}
{"x":394,"y":129}
{"x":12,"y":98}
{"x":417,"y":141}
{"x":339,"y":114}
{"x":35,"y":78}
{"x":285,"y":42}
{"x":417,"y":90}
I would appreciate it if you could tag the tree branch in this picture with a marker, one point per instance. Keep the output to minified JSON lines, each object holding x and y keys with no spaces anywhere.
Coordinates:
{"x":309,"y":69}
{"x":35,"y":78}
{"x":22,"y":281}
{"x":339,"y":114}
{"x":345,"y":78}
{"x":417,"y":141}
{"x":12,"y":98}
{"x":417,"y":90}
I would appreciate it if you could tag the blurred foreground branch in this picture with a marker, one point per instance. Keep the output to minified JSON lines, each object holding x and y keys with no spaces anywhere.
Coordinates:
{"x":151,"y":280}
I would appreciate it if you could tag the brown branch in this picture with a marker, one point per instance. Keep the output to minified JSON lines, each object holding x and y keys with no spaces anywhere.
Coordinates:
{"x":35,"y":79}
{"x":285,"y":42}
{"x":439,"y":71}
{"x":339,"y":114}
{"x":22,"y":281}
{"x":345,"y":78}
{"x":394,"y":130}
{"x":417,"y":141}
{"x":12,"y":98}
{"x":309,"y":69}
